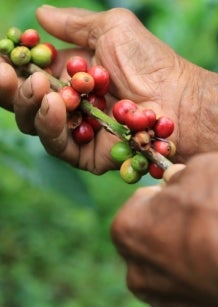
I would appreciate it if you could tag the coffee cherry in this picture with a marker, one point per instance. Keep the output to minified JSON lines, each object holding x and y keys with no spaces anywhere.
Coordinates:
{"x":83,"y":134}
{"x":70,"y":97}
{"x":136,"y":120}
{"x":30,"y":38}
{"x":127,"y":172}
{"x":20,"y":55}
{"x":140,"y":163}
{"x":121,"y":108}
{"x":96,"y":125}
{"x":155,"y":171}
{"x":82,"y":82}
{"x":172,"y":149}
{"x":14,"y":34}
{"x":163,"y":147}
{"x":97,"y":101}
{"x":121,"y":151}
{"x":53,"y":50}
{"x":151,"y":117}
{"x":101,"y":77}
{"x":41,"y":55}
{"x":6,"y":46}
{"x":76,"y":64}
{"x":163,"y":127}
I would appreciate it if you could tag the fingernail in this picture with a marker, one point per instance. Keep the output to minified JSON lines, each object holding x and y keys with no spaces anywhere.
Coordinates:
{"x":26,"y":88}
{"x":44,"y":107}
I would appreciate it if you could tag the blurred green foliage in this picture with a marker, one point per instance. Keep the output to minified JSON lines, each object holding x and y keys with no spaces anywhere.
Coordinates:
{"x":55,"y":247}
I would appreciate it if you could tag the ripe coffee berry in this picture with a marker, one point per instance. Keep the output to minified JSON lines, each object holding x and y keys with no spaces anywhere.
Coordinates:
{"x":121,"y":108}
{"x":101,"y":77}
{"x":70,"y":97}
{"x":82,"y":82}
{"x":155,"y":171}
{"x":83,"y":134}
{"x":151,"y":117}
{"x":136,"y":120}
{"x":163,"y":127}
{"x":97,"y":101}
{"x":30,"y":38}
{"x":76,"y":64}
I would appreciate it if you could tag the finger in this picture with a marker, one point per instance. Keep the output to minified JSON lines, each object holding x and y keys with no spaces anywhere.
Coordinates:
{"x":50,"y":123}
{"x":8,"y":85}
{"x":28,"y":101}
{"x":71,"y":24}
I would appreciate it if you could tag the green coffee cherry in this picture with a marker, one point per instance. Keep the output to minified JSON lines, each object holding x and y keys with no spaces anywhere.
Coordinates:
{"x":41,"y":55}
{"x":6,"y":46}
{"x":121,"y":151}
{"x":14,"y":34}
{"x":20,"y":55}
{"x":127,"y":172}
{"x":140,"y":163}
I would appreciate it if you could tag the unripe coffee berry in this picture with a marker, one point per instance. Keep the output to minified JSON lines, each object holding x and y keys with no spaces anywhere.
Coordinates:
{"x":82,"y":82}
{"x":53,"y":50}
{"x":127,"y":172}
{"x":121,"y":151}
{"x":6,"y":46}
{"x":14,"y":34}
{"x":20,"y":55}
{"x":30,"y":38}
{"x":41,"y":55}
{"x":140,"y":163}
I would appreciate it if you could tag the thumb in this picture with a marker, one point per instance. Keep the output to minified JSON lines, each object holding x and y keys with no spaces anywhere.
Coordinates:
{"x":72,"y":25}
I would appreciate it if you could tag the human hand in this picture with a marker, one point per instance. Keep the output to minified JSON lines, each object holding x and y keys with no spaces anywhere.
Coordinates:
{"x":141,"y":68}
{"x":168,"y":238}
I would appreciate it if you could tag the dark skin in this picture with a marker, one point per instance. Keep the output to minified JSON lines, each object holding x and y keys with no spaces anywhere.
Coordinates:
{"x":146,"y":70}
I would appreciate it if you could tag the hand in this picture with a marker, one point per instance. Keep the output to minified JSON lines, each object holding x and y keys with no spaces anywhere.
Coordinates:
{"x":168,"y":238}
{"x":142,"y":68}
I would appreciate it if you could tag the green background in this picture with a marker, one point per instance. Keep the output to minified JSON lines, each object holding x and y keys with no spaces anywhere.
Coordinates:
{"x":55,"y":247}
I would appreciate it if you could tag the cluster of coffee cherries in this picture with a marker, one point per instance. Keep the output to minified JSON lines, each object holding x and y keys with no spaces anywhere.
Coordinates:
{"x":92,"y":84}
{"x":149,"y":130}
{"x":23,"y":47}
{"x":85,"y":82}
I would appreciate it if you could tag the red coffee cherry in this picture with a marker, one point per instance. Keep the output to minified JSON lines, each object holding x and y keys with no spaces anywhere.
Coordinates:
{"x":151,"y":117}
{"x":155,"y":171}
{"x":121,"y":108}
{"x":70,"y":97}
{"x":30,"y":38}
{"x":163,"y":127}
{"x":83,"y":134}
{"x":97,"y":101}
{"x":76,"y":64}
{"x":102,"y":80}
{"x":82,"y":82}
{"x":96,"y":125}
{"x":163,"y":147}
{"x":136,"y":120}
